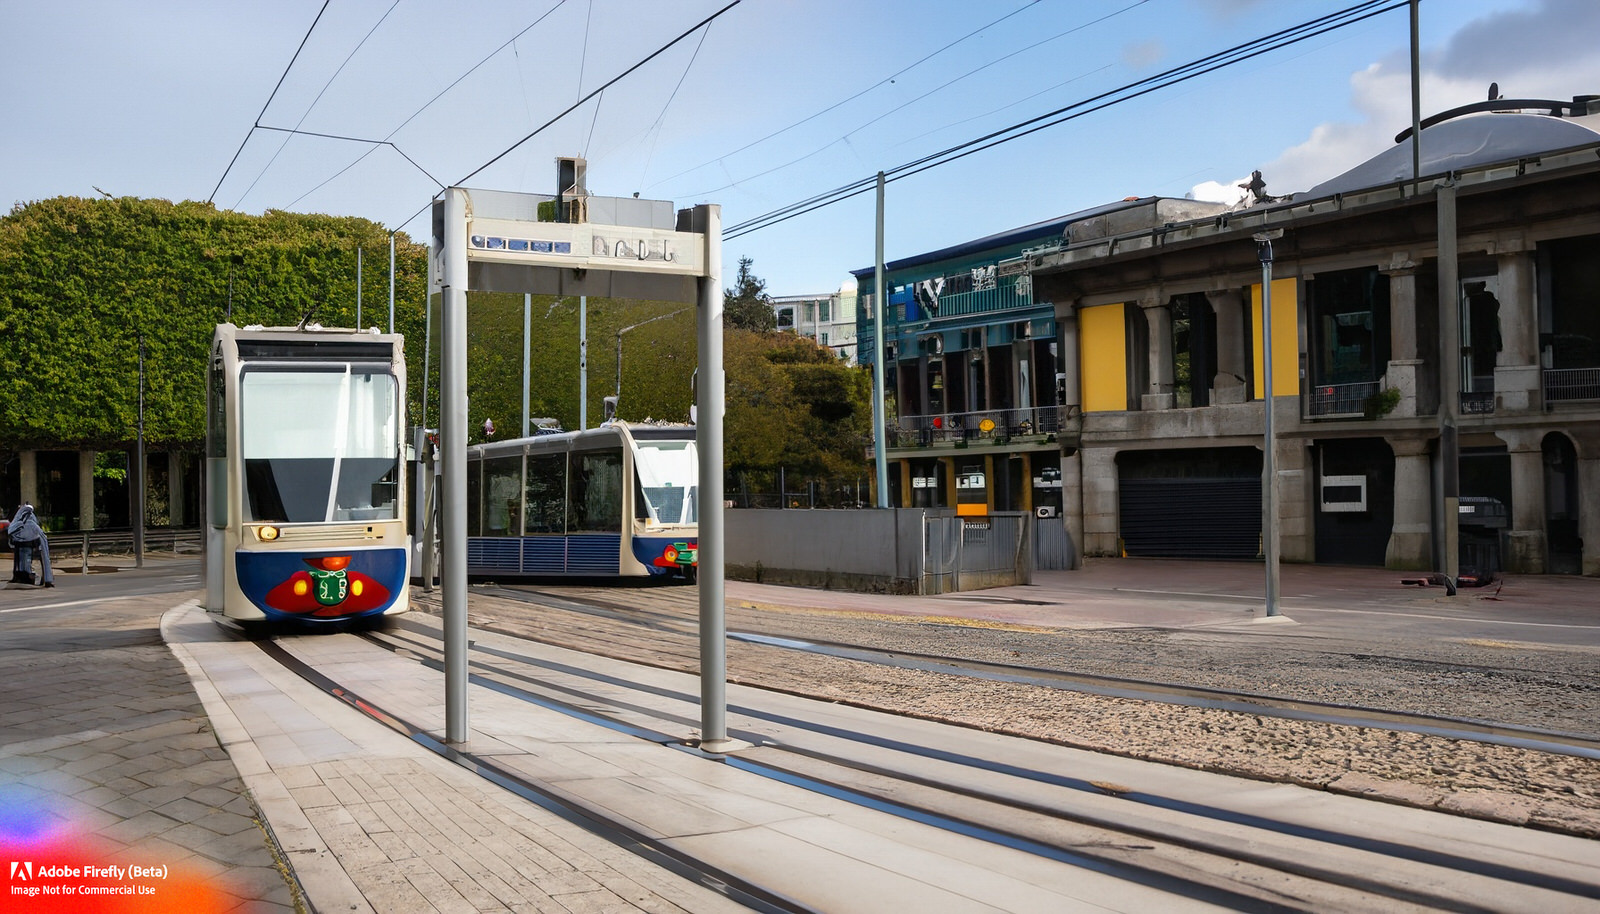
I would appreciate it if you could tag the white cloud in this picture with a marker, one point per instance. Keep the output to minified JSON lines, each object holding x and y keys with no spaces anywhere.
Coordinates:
{"x":1513,"y":49}
{"x":1213,"y":192}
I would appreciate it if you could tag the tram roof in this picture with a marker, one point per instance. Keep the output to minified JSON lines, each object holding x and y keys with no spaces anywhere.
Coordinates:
{"x":645,"y":431}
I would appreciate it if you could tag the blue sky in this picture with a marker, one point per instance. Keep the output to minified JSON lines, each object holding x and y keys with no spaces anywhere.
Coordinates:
{"x":153,"y":99}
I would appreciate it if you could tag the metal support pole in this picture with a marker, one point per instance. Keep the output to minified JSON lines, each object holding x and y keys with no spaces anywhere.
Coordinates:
{"x":583,"y":362}
{"x":391,"y":282}
{"x":138,"y":474}
{"x":879,"y":420}
{"x":1269,"y":461}
{"x":358,"y":288}
{"x":527,"y":355}
{"x":1416,"y":101}
{"x":707,"y":219}
{"x":453,"y":448}
{"x":1449,"y":382}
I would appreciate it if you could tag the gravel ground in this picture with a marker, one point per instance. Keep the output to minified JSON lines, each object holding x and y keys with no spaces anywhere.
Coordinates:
{"x":1484,"y":681}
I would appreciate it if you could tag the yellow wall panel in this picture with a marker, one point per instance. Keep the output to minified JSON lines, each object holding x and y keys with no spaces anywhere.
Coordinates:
{"x":1285,"y":338}
{"x":1103,"y":356}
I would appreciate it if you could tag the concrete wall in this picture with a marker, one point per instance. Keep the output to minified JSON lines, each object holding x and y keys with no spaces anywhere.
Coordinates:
{"x":869,"y":551}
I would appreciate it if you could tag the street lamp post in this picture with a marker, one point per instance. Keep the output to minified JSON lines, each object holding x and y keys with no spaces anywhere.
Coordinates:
{"x":658,"y":317}
{"x":1269,"y":462}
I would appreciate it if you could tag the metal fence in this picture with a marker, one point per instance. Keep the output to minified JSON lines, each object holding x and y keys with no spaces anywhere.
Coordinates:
{"x":1571,"y":384}
{"x":1341,"y":399}
{"x":909,"y":431}
{"x":963,"y":553}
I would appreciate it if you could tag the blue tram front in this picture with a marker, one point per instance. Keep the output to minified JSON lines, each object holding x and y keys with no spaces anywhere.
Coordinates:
{"x":305,"y":482}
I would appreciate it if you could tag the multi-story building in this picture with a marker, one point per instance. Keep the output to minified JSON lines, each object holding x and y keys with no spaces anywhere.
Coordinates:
{"x":830,"y":319}
{"x":973,"y":376}
{"x":1435,"y":347}
{"x":1426,"y":336}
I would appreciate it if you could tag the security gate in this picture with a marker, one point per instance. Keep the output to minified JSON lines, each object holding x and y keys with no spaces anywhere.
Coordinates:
{"x":971,"y":553}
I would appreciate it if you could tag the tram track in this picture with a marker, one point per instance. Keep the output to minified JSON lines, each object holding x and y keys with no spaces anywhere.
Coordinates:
{"x":1247,"y":862}
{"x":607,"y":642}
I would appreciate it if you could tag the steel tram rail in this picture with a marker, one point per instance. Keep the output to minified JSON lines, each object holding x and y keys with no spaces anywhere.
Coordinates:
{"x":1489,"y":732}
{"x":891,"y":798}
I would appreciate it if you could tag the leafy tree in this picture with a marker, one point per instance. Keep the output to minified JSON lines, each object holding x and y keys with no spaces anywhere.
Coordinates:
{"x":84,"y":281}
{"x":792,"y":404}
{"x":747,"y":306}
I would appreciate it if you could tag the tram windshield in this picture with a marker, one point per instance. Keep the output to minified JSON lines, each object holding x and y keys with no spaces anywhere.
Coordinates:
{"x":319,"y":442}
{"x":669,"y":472}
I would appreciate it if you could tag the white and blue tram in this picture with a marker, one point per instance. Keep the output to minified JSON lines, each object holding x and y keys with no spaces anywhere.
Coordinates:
{"x":617,"y":500}
{"x":305,"y":484}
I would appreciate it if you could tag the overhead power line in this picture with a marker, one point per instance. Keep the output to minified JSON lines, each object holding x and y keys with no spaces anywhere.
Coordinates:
{"x":1208,"y":64}
{"x":346,"y":62}
{"x":845,"y":101}
{"x":268,"y":104}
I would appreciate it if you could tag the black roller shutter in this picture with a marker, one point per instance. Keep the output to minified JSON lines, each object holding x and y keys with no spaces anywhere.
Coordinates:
{"x":1191,"y":517}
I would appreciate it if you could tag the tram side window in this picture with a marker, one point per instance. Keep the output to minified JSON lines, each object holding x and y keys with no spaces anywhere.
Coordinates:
{"x":502,"y":503}
{"x":474,"y":498}
{"x":546,"y":495}
{"x":595,"y":492}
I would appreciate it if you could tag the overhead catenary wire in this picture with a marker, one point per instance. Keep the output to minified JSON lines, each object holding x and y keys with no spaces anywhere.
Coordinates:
{"x":575,"y":105}
{"x":845,"y":101}
{"x":309,"y":108}
{"x":1210,"y":63}
{"x":878,"y":118}
{"x":425,"y":106}
{"x":268,"y":103}
{"x":656,"y":136}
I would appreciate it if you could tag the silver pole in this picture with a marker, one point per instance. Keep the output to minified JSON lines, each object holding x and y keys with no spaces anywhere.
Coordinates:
{"x":1416,"y":101}
{"x":1269,"y":462}
{"x":880,"y":460}
{"x":358,"y":288}
{"x":453,"y":451}
{"x":583,"y":362}
{"x":391,"y":282}
{"x":138,"y":472}
{"x":1449,"y":383}
{"x":707,"y":218}
{"x":527,"y":354}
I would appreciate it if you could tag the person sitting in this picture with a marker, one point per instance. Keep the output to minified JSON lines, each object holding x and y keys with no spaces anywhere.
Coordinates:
{"x":27,"y":537}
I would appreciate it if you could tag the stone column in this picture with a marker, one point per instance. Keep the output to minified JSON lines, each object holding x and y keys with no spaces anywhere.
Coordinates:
{"x":1233,"y":364}
{"x":1158,"y":317}
{"x":175,"y":488}
{"x":86,"y":511}
{"x":1411,"y":538}
{"x":1589,"y":511}
{"x":1297,"y":540}
{"x":1067,"y":340}
{"x":1100,"y":501}
{"x":1525,"y":543}
{"x":1401,"y":372}
{"x":1516,"y":369}
{"x":1072,"y":505}
{"x":28,"y":478}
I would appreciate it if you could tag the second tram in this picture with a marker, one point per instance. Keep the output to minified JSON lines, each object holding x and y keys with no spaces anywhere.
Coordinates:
{"x":617,"y":500}
{"x":305,"y":485}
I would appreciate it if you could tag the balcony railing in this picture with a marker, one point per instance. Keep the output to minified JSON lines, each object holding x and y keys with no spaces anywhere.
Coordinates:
{"x":1571,"y":384}
{"x":1330,"y":400}
{"x":912,"y":431}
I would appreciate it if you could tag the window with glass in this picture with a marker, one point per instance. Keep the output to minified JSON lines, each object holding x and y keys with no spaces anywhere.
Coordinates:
{"x":319,"y":442}
{"x":502,"y":491}
{"x":668,"y":472}
{"x":594,"y":486}
{"x":546,"y":495}
{"x":1349,"y":311}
